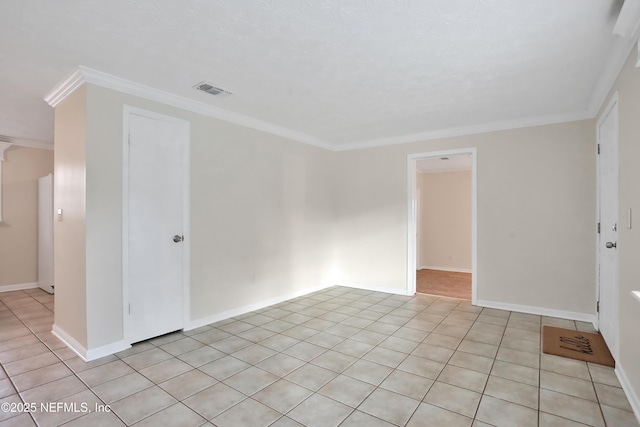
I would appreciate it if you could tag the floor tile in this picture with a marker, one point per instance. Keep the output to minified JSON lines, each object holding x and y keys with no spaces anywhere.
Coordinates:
{"x":54,"y":418}
{"x":253,"y":354}
{"x":325,"y":340}
{"x":573,"y":408}
{"x":347,"y":390}
{"x":532,"y":360}
{"x":368,"y":372}
{"x":320,"y":411}
{"x":231,"y":344}
{"x":142,"y":404}
{"x":433,"y":352}
{"x":443,"y":341}
{"x":519,"y":373}
{"x":618,"y":417}
{"x":146,"y":358}
{"x":361,"y":419}
{"x":212,"y":401}
{"x":501,"y":413}
{"x":180,"y":346}
{"x":452,"y":398}
{"x":334,"y":361}
{"x":549,"y":420}
{"x":282,"y":395}
{"x":175,"y":415}
{"x":168,"y":369}
{"x":305,"y":351}
{"x":471,"y":361}
{"x":30,"y":363}
{"x":201,"y":356}
{"x":612,"y":396}
{"x":224,"y":367}
{"x":353,"y":348}
{"x":603,"y":375}
{"x":279,"y":342}
{"x":247,"y":413}
{"x":565,"y":366}
{"x":389,"y":406}
{"x":251,"y":380}
{"x":187,"y":384}
{"x":419,"y":366}
{"x":478,"y":348}
{"x":430,"y":415}
{"x":286,"y":422}
{"x":41,"y":376}
{"x":512,"y":391}
{"x":55,"y":390}
{"x":122,"y":387}
{"x":406,"y":384}
{"x":567,"y":385}
{"x":311,"y":376}
{"x":464,"y":378}
{"x":386,"y":357}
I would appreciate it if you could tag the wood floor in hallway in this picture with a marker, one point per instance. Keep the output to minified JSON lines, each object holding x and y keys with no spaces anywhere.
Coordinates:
{"x":444,"y":283}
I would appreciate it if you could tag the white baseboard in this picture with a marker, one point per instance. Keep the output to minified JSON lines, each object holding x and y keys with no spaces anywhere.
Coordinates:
{"x":374,"y":288}
{"x":452,"y":269}
{"x":571,"y":315}
{"x":18,"y":287}
{"x":634,"y":401}
{"x":91,"y":354}
{"x":193,"y":324}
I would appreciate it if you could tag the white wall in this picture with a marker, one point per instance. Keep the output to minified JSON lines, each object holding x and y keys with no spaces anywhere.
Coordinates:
{"x":445,"y":220}
{"x":69,"y":235}
{"x":19,"y":229}
{"x":536,"y":215}
{"x":261,"y":214}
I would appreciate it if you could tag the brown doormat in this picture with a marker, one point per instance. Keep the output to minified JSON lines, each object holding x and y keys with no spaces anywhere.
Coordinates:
{"x":586,"y":346}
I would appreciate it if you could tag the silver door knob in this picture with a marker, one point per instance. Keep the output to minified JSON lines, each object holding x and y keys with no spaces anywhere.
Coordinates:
{"x":611,"y":245}
{"x":178,"y":238}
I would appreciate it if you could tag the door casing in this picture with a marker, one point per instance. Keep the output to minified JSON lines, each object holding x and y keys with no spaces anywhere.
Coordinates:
{"x":412,"y":219}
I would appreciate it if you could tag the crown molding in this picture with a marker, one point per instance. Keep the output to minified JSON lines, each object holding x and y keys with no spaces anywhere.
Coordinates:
{"x":628,"y":20}
{"x":88,"y":75}
{"x":467,"y":130}
{"x":3,"y":146}
{"x":99,"y":78}
{"x":22,"y":142}
{"x":65,"y":88}
{"x":611,"y":71}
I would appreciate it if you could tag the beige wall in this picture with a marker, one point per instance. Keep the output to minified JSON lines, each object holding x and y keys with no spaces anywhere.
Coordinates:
{"x":261,"y":214}
{"x":536,"y":213}
{"x":628,"y":87}
{"x":444,"y":220}
{"x":69,"y":234}
{"x":19,"y":229}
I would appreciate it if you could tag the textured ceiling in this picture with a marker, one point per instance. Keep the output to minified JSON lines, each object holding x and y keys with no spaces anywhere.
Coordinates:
{"x":343,"y":72}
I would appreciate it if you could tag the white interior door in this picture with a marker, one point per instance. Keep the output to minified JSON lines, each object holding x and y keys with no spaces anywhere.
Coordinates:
{"x":608,"y":237}
{"x":155,"y":211}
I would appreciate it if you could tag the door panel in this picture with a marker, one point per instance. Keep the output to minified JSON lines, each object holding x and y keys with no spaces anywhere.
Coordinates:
{"x":155,"y":215}
{"x":608,"y":256}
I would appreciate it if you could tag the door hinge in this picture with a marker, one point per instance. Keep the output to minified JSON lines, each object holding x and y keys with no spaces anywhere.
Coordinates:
{"x":598,"y":307}
{"x":129,"y":308}
{"x":598,"y":148}
{"x":598,"y":228}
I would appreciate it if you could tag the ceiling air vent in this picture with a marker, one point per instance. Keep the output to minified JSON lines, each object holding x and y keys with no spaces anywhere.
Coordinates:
{"x":212,"y":90}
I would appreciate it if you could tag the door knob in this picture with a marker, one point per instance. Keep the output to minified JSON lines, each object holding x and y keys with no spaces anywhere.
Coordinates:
{"x":177,"y":238}
{"x":610,"y":245}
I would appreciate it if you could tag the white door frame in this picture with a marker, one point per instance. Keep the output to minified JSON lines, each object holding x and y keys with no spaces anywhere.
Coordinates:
{"x":413,"y":216}
{"x":186,"y":256}
{"x":614,"y":351}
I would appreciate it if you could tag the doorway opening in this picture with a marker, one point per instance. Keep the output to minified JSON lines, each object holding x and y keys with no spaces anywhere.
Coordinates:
{"x":442,"y":224}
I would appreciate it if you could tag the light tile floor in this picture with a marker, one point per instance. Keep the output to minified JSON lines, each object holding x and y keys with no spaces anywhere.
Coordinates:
{"x":338,"y":357}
